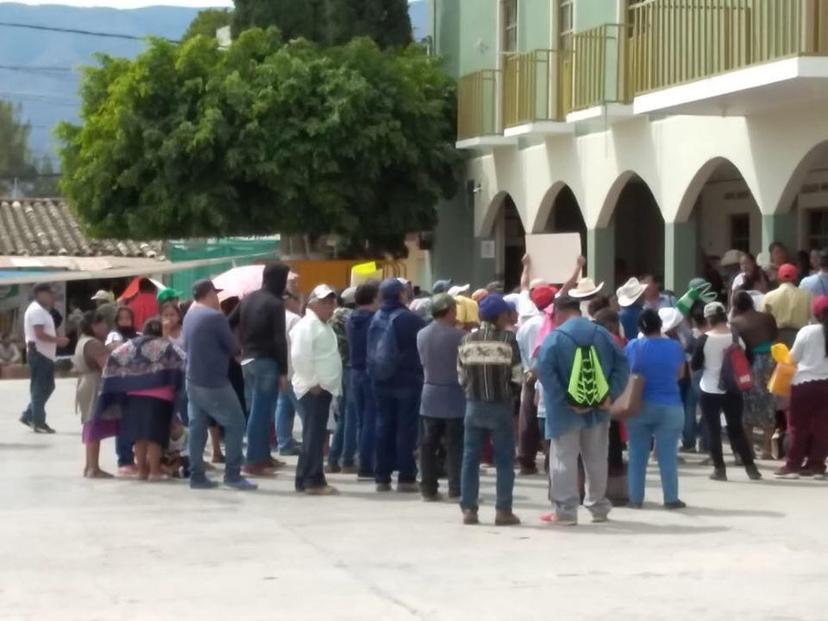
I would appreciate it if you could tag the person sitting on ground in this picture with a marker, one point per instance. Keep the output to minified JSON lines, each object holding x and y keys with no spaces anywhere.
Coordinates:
{"x":89,"y":360}
{"x":443,"y":402}
{"x":9,"y":351}
{"x":715,"y":398}
{"x":488,"y":364}
{"x":808,"y":416}
{"x":660,"y":360}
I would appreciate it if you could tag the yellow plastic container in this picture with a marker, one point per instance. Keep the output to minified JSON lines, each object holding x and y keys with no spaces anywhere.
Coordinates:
{"x":782,"y":376}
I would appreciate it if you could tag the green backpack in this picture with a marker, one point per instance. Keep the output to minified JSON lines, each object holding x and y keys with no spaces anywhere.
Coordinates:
{"x":588,"y":387}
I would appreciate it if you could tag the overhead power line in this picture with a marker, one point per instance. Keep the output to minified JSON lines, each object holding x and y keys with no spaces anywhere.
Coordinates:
{"x":78,"y":31}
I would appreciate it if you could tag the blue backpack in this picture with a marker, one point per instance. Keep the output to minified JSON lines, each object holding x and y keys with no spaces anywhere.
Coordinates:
{"x":383,"y":349}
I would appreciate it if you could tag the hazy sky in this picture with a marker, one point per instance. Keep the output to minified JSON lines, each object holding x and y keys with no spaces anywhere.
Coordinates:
{"x":128,"y":4}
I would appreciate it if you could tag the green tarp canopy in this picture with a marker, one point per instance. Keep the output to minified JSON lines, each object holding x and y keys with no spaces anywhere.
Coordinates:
{"x":239,"y":252}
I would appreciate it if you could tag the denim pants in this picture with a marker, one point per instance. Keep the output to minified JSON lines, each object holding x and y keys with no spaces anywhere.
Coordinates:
{"x":481,"y":420}
{"x":310,"y":470}
{"x":261,"y":379}
{"x":365,"y":407}
{"x":398,"y":417}
{"x":592,"y":444}
{"x":437,"y":431}
{"x":344,"y":441}
{"x":222,"y":405}
{"x":693,"y":428}
{"x":663,"y":423}
{"x":123,"y":449}
{"x":41,"y":386}
{"x":286,"y":410}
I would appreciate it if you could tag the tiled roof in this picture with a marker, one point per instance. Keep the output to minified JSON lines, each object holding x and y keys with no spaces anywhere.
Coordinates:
{"x":47,"y":227}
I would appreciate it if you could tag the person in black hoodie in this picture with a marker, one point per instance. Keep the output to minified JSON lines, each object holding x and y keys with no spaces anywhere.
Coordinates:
{"x":398,"y":394}
{"x":261,"y":324}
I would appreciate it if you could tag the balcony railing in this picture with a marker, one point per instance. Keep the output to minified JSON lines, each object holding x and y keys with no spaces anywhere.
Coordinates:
{"x":536,"y":87}
{"x":599,"y":67}
{"x":675,"y":41}
{"x":477,"y":105}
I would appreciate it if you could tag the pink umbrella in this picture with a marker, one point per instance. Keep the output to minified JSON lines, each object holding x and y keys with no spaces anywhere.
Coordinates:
{"x":239,"y":281}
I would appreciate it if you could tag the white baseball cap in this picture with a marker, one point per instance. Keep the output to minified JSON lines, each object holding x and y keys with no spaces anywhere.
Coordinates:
{"x":321,"y":292}
{"x":458,"y":289}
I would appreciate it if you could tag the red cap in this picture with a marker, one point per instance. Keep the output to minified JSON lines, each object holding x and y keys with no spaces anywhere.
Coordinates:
{"x":788,"y":272}
{"x":543,"y":296}
{"x":820,"y":306}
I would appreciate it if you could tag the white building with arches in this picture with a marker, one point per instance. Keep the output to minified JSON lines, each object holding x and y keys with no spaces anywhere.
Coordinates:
{"x":659,"y":167}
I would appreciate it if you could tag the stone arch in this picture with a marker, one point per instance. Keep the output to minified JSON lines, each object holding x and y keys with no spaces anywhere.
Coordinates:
{"x":490,"y":214}
{"x":816,"y":154}
{"x":638,"y":224}
{"x":559,"y":195}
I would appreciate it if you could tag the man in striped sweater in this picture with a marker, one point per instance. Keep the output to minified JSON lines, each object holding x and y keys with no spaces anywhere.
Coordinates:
{"x":488,"y":363}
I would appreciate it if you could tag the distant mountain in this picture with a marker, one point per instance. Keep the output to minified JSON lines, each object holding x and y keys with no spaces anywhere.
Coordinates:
{"x":39,"y":69}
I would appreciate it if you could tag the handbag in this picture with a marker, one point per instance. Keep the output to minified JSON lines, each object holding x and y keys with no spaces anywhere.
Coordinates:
{"x":736,"y":374}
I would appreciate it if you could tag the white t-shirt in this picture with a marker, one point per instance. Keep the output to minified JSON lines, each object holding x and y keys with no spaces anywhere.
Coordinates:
{"x":714,"y":350}
{"x":36,"y":315}
{"x":526,"y":308}
{"x":809,"y":353}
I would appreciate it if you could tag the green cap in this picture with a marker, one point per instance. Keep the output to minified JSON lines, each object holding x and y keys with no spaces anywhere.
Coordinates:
{"x":441,"y":303}
{"x":168,"y":293}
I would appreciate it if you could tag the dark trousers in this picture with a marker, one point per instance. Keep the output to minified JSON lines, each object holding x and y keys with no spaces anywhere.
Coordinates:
{"x":398,"y":414}
{"x":808,"y":427}
{"x":529,"y":437}
{"x":310,"y":468}
{"x":731,"y":404}
{"x":41,"y":386}
{"x":435,"y":432}
{"x":362,"y":394}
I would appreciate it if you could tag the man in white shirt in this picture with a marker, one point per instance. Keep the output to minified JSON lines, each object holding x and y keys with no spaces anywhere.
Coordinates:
{"x":41,"y":350}
{"x":317,"y":379}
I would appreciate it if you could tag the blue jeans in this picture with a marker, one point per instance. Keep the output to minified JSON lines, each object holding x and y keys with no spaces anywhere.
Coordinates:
{"x":664,"y":424}
{"x":123,"y":448}
{"x":310,"y":471}
{"x":261,"y":378}
{"x":693,"y":429}
{"x":398,"y":418}
{"x":481,"y":419}
{"x":365,"y":407}
{"x":286,"y":410}
{"x":222,"y":405}
{"x":41,"y":386}
{"x":344,"y":441}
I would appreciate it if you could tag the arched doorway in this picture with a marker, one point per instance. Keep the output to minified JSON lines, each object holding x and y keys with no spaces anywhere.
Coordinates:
{"x":561,"y":213}
{"x":639,"y":232}
{"x":512,"y":240}
{"x":803,"y":210}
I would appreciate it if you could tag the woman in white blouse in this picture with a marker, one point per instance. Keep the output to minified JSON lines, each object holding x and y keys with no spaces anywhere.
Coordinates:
{"x":808,"y":417}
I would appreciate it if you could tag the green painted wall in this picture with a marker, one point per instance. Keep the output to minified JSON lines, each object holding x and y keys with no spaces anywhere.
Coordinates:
{"x":592,"y":13}
{"x":533,"y":24}
{"x":466,"y":34}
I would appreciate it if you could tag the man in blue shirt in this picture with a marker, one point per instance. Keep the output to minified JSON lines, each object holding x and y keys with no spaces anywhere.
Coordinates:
{"x":817,"y":284}
{"x":577,"y":432}
{"x":210,"y":345}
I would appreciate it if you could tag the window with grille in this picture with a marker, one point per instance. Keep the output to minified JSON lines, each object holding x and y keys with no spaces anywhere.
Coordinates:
{"x":740,"y":232}
{"x":510,"y":25}
{"x":566,"y":23}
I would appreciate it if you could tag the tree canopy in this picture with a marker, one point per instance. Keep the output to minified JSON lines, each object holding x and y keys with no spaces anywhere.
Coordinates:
{"x":207,"y":22}
{"x":329,"y":22}
{"x":35,"y":177}
{"x":265,"y":137}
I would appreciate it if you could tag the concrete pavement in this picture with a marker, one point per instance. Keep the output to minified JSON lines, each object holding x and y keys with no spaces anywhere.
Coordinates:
{"x":82,"y":550}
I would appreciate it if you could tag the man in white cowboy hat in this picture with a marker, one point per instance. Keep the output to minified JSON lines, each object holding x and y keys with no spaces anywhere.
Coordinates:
{"x":585,"y":291}
{"x":629,"y":299}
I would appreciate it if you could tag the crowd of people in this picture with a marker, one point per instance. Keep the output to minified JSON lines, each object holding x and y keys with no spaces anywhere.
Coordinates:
{"x":559,"y":377}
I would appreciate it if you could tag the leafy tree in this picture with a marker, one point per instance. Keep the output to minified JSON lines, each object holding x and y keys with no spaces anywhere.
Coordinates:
{"x":385,"y":21}
{"x":207,"y":22}
{"x":329,"y":22}
{"x":265,"y":137}
{"x":295,"y":18}
{"x":15,"y":157}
